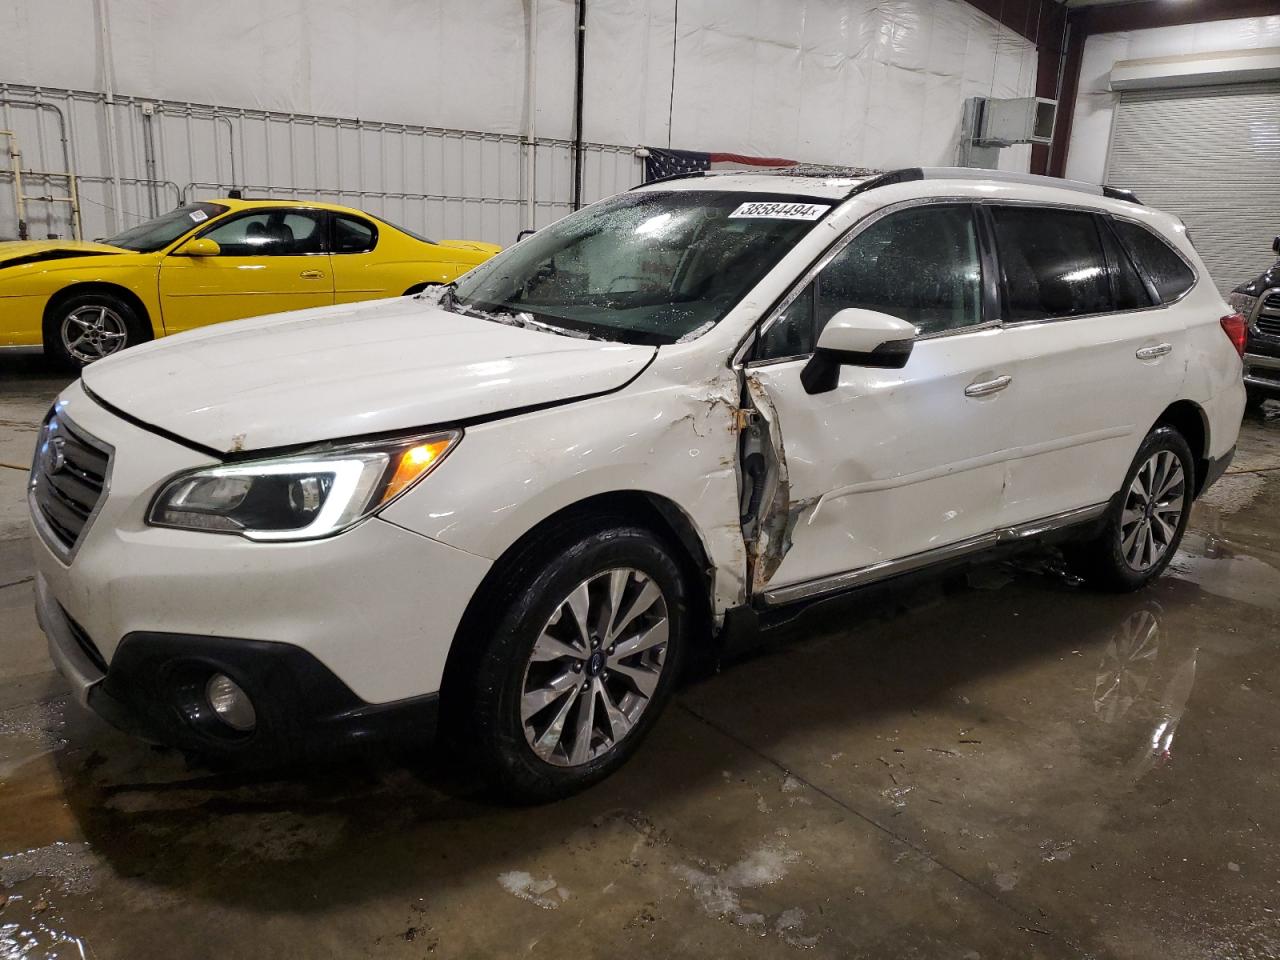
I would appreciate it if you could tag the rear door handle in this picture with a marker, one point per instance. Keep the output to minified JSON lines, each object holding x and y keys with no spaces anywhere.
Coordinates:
{"x":1154,"y":352}
{"x":312,"y":274}
{"x":987,"y":387}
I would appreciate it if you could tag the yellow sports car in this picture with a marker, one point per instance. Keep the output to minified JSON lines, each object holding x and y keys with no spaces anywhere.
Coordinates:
{"x":208,"y":262}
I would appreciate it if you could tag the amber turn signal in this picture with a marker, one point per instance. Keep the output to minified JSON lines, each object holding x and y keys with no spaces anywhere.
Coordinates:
{"x":415,"y":462}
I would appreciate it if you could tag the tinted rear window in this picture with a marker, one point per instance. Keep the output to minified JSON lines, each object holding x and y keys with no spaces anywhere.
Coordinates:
{"x":1053,"y":263}
{"x":1166,"y":269}
{"x":1130,"y":291}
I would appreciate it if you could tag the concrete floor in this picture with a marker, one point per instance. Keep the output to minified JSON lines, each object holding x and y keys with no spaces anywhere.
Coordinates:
{"x":1005,"y":766}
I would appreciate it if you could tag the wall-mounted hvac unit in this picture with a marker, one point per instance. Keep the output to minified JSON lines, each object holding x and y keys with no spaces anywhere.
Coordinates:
{"x":990,"y":124}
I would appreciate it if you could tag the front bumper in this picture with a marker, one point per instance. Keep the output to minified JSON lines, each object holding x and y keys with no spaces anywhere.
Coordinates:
{"x":1262,"y":373}
{"x":346,"y":628}
{"x":154,"y":689}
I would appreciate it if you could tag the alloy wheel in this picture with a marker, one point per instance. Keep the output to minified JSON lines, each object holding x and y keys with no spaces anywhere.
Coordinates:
{"x":1152,"y":510}
{"x":92,"y":332}
{"x":595,"y":667}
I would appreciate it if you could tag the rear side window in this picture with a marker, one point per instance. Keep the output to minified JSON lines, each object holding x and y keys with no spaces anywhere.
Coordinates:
{"x":351,"y":235}
{"x":1052,"y":262}
{"x":1167,"y":271}
{"x":1130,"y":292}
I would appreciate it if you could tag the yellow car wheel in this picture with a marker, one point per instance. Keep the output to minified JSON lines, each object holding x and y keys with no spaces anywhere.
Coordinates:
{"x":85,"y":327}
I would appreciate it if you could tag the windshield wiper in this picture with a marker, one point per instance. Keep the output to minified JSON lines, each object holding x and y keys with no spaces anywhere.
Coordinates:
{"x":514,"y":318}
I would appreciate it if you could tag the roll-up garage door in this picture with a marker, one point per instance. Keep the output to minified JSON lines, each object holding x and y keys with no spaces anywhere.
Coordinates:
{"x":1210,"y":155}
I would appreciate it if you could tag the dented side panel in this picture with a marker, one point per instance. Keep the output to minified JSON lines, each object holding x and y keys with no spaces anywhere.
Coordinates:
{"x":661,"y":436}
{"x":890,"y":463}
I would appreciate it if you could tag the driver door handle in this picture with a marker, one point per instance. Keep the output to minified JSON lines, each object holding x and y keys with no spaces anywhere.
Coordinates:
{"x":987,"y":387}
{"x":1154,"y":352}
{"x":312,"y":274}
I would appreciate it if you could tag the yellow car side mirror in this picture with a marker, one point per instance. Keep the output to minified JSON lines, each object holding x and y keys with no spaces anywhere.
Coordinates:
{"x":199,"y":247}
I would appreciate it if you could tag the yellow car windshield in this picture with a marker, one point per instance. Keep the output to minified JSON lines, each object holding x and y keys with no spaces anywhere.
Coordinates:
{"x":162,"y":231}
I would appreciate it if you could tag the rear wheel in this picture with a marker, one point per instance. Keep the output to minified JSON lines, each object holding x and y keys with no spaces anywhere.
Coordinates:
{"x":580,"y":664}
{"x":1146,"y":522}
{"x":86,"y":327}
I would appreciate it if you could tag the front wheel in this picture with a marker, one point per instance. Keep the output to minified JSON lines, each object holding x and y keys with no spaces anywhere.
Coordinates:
{"x":580,"y":664}
{"x":85,"y":327}
{"x":1147,"y":520}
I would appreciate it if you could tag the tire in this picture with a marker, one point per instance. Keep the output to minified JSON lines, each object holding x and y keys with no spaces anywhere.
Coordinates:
{"x":1253,"y":400}
{"x":518,"y":701}
{"x":1122,"y":558}
{"x":85,"y":327}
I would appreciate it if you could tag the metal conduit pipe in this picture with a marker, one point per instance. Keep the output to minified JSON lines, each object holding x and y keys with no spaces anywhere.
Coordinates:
{"x":578,"y":82}
{"x":108,"y":76}
{"x":149,"y":156}
{"x":211,"y":113}
{"x":63,"y":139}
{"x":531,"y":113}
{"x":19,"y":201}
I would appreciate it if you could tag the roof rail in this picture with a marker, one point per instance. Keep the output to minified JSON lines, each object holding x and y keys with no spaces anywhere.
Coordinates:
{"x":1119,"y":193}
{"x":908,"y":174}
{"x":905,"y":175}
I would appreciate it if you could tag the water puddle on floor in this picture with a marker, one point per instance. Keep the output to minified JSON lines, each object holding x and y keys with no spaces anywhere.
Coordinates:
{"x":1142,"y":683}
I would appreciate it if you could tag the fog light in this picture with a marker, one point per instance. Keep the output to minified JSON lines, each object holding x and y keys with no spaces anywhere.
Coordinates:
{"x":230,"y":703}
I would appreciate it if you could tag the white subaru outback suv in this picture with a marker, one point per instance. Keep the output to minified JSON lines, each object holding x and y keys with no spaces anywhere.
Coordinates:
{"x":516,"y":505}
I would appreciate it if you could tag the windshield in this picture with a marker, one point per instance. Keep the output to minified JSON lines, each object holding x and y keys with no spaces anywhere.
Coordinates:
{"x":162,"y":231}
{"x":644,"y":267}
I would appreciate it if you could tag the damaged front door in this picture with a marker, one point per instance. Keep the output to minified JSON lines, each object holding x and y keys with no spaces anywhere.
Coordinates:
{"x":890,"y":463}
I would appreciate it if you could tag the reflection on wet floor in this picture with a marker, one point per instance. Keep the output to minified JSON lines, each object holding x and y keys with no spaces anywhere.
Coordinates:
{"x":999,"y":764}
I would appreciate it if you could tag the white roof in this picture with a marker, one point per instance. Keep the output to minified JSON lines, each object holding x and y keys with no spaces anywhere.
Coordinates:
{"x":834,"y":187}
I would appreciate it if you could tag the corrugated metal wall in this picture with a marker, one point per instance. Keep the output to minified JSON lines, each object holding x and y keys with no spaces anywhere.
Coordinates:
{"x":439,"y":182}
{"x":1210,"y":155}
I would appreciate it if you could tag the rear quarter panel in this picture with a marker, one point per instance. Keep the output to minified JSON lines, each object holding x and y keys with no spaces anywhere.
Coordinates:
{"x":396,"y":264}
{"x":1215,"y":373}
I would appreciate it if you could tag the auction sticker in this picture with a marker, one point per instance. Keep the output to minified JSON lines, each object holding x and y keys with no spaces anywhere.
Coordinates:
{"x":782,"y":211}
{"x":198,"y":215}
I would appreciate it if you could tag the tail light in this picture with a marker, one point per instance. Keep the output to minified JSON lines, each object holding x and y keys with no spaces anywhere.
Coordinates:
{"x":1237,"y":330}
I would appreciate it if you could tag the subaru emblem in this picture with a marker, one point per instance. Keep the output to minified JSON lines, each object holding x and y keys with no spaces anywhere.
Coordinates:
{"x":53,"y":458}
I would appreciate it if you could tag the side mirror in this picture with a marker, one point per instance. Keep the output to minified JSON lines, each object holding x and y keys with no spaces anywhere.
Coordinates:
{"x":861,"y":338}
{"x":199,"y":247}
{"x":1275,"y":244}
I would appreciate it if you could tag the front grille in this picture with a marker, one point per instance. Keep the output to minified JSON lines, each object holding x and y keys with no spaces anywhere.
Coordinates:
{"x":1272,"y":303}
{"x":68,"y":477}
{"x":1270,"y":326}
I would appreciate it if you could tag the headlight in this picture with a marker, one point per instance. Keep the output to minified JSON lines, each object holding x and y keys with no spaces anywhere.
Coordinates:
{"x":1242,"y":303}
{"x":299,"y":497}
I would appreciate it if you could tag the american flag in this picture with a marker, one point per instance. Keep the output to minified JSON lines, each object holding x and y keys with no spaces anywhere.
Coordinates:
{"x":662,"y":162}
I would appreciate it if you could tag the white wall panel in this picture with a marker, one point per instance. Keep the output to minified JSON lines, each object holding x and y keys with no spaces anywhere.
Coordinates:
{"x":1095,"y":102}
{"x":416,"y":110}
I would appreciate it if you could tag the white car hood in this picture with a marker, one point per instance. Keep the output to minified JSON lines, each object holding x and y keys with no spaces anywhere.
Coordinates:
{"x":338,"y":372}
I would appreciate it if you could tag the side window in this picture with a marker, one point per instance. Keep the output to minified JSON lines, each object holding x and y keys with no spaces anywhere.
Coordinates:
{"x":270,"y":233}
{"x":921,"y":265}
{"x":351,"y":235}
{"x":1052,"y":262}
{"x":792,"y":333}
{"x":1129,"y":291}
{"x":1168,"y":271}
